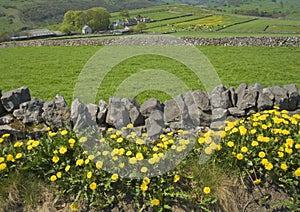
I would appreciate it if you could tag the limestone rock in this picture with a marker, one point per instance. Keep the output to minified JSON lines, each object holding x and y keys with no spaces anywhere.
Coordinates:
{"x":264,"y":101}
{"x":6,"y":120}
{"x":292,"y":95}
{"x":93,"y":110}
{"x":234,"y":111}
{"x":155,"y":124}
{"x":102,"y":111}
{"x":219,"y":114}
{"x":247,"y":99}
{"x":176,"y":114}
{"x":117,"y":113}
{"x":12,"y":99}
{"x":281,"y":97}
{"x":201,"y":99}
{"x":30,"y":112}
{"x":149,"y":106}
{"x":135,"y":115}
{"x":56,"y":113}
{"x":82,"y":119}
{"x":2,"y":109}
{"x":220,"y":97}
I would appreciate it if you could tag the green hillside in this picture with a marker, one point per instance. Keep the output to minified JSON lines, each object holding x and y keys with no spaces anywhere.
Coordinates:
{"x":18,"y":14}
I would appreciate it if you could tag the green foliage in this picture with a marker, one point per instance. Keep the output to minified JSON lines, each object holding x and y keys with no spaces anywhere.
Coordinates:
{"x":96,"y":18}
{"x":140,"y":27}
{"x":124,"y":14}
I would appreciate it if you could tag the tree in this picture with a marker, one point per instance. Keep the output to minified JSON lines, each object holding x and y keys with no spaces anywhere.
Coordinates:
{"x":97,"y":18}
{"x":124,"y":14}
{"x":140,"y":27}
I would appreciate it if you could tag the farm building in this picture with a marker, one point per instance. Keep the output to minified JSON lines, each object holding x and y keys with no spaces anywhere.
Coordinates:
{"x":87,"y":30}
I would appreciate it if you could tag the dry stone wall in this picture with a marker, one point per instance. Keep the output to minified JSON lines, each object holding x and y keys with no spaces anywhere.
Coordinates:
{"x":25,"y":117}
{"x":155,"y":40}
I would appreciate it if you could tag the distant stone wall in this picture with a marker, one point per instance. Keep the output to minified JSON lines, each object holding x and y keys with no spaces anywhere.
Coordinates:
{"x":227,"y":41}
{"x":24,"y":117}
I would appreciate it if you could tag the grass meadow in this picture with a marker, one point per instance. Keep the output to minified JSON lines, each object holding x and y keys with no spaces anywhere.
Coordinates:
{"x":48,"y":71}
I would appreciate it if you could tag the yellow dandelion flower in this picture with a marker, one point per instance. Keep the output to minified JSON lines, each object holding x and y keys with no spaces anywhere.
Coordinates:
{"x":242,"y":130}
{"x":261,"y":154}
{"x":139,"y":156}
{"x":144,"y":187}
{"x":297,"y":172}
{"x":79,"y":162}
{"x":89,"y":175}
{"x":244,"y":149}
{"x":253,"y":131}
{"x":63,"y":150}
{"x":102,"y":140}
{"x":72,"y":141}
{"x":53,"y":178}
{"x":93,"y":186}
{"x":18,"y":155}
{"x":240,"y":156}
{"x":206,"y":190}
{"x":132,"y":160}
{"x":83,"y":139}
{"x":99,"y":164}
{"x":10,"y":157}
{"x":74,"y":207}
{"x":230,"y":144}
{"x":208,"y":150}
{"x":146,"y":180}
{"x":128,"y":153}
{"x":115,"y":177}
{"x":120,"y":140}
{"x":6,"y":135}
{"x":201,"y":140}
{"x":55,"y":159}
{"x":268,"y":166}
{"x":264,"y":161}
{"x":155,"y":149}
{"x":144,"y":169}
{"x":35,"y":143}
{"x":121,"y":165}
{"x":130,"y":126}
{"x":280,"y":154}
{"x":176,"y":178}
{"x":64,"y":132}
{"x":104,"y":153}
{"x":58,"y":174}
{"x":297,"y":146}
{"x":51,"y":134}
{"x":18,"y":144}
{"x":155,"y":202}
{"x":2,"y":159}
{"x":67,"y":168}
{"x":283,"y":166}
{"x":121,"y":151}
{"x":2,"y":166}
{"x":257,"y":181}
{"x":254,"y":143}
{"x":288,"y":150}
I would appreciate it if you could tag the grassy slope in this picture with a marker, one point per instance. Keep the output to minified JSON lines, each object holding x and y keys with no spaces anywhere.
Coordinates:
{"x":51,"y":70}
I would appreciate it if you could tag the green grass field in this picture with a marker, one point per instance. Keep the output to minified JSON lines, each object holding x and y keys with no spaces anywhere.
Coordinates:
{"x":260,"y":24}
{"x":51,"y":70}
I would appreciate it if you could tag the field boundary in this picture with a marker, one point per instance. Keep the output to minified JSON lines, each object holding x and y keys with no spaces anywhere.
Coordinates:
{"x":227,"y":41}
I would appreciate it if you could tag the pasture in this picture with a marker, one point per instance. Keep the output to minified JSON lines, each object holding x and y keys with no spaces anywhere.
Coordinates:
{"x":48,"y":71}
